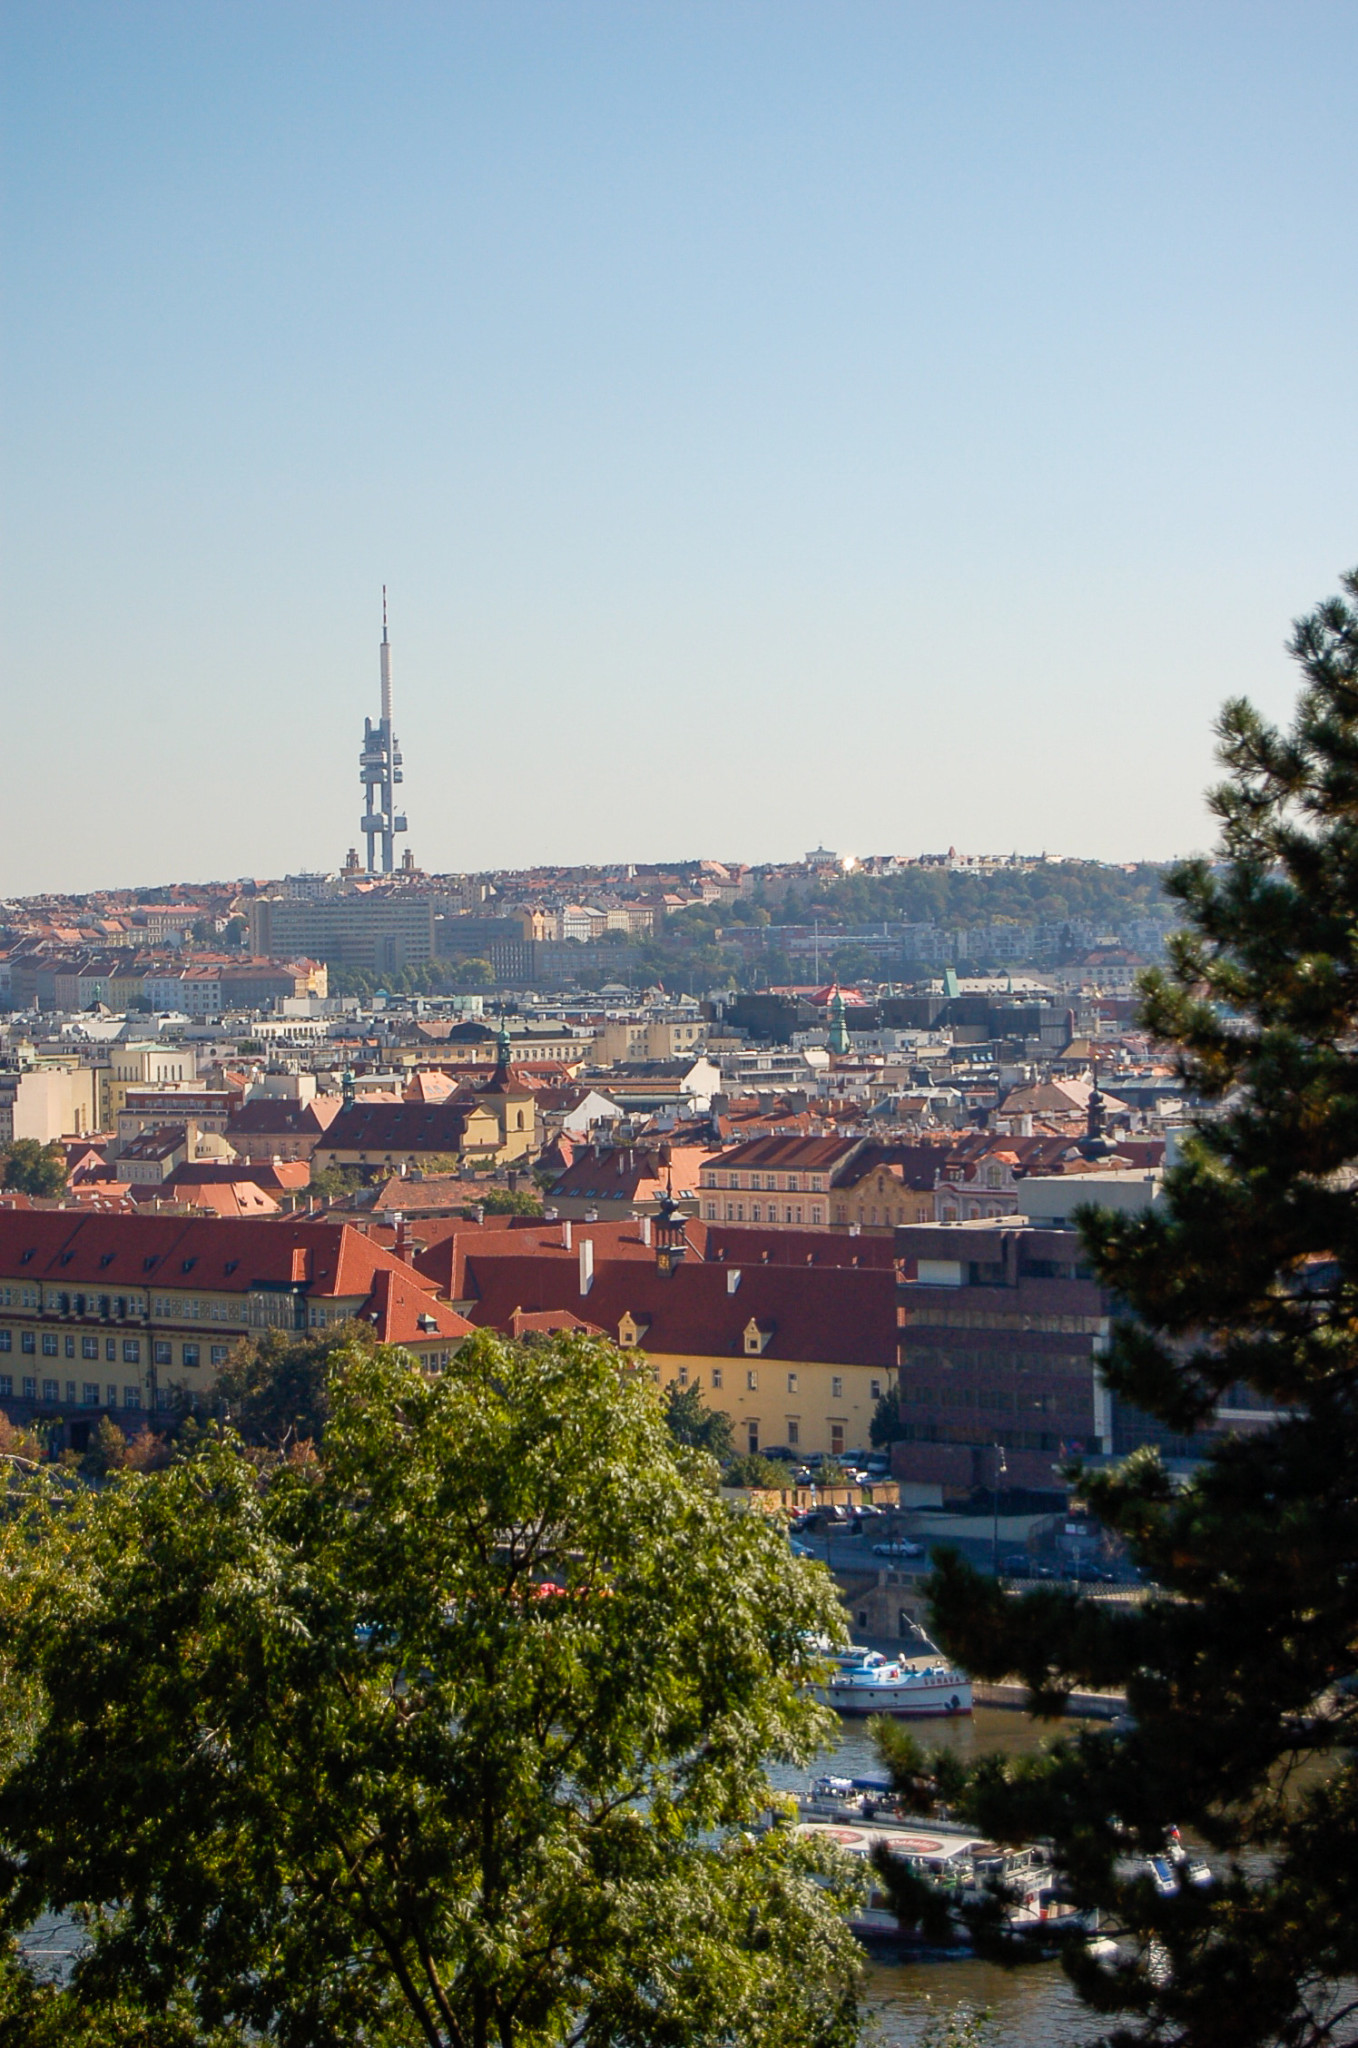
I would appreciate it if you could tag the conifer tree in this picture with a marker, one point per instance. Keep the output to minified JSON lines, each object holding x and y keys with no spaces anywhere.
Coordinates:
{"x":1239,"y":1290}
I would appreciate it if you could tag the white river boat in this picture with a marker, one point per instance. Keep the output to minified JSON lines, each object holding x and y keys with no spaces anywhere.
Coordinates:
{"x":866,"y":1682}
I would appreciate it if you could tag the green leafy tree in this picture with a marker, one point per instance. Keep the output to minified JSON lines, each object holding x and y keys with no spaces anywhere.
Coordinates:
{"x":888,"y":1424}
{"x":1242,"y":1287}
{"x":107,"y":1451}
{"x":34,"y":1169}
{"x":750,"y":1469}
{"x":334,"y":1183}
{"x":695,"y":1426}
{"x":274,"y":1388}
{"x":454,"y":1738}
{"x":510,"y":1201}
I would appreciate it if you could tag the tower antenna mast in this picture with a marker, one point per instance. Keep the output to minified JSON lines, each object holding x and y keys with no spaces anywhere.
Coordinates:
{"x":379,"y":771}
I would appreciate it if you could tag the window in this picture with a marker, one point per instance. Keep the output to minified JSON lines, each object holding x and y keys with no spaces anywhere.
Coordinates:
{"x":794,"y":1432}
{"x":89,"y":1395}
{"x":50,"y":1391}
{"x":817,"y":1215}
{"x":30,"y":1390}
{"x":792,"y":1383}
{"x":89,"y":1347}
{"x":710,"y":1211}
{"x":683,"y":1375}
{"x":190,"y":1354}
{"x":131,"y":1350}
{"x":28,"y":1342}
{"x":792,"y":1183}
{"x":716,"y":1379}
{"x":112,"y":1393}
{"x":752,"y":1382}
{"x":836,"y":1439}
{"x":836,"y":1388}
{"x":131,"y":1397}
{"x":69,"y":1347}
{"x":6,"y":1385}
{"x":875,"y":1389}
{"x":111,"y":1350}
{"x":218,"y":1354}
{"x":161,"y":1352}
{"x":6,"y":1340}
{"x":754,"y":1212}
{"x":752,"y":1438}
{"x":70,"y":1392}
{"x":49,"y":1343}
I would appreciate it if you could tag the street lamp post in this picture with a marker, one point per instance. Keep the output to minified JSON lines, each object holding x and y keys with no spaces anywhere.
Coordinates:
{"x":1000,"y":1469}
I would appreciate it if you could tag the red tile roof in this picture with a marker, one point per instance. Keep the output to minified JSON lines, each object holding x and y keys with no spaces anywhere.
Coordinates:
{"x":789,"y":1154}
{"x":402,"y":1311}
{"x":832,"y":1315}
{"x":115,"y":1252}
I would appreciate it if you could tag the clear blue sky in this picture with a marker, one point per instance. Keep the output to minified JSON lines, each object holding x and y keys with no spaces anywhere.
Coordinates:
{"x":884,"y":425}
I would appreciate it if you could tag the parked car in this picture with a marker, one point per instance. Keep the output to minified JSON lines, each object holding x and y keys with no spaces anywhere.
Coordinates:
{"x":1018,"y":1565}
{"x":897,"y":1546}
{"x":800,"y":1549}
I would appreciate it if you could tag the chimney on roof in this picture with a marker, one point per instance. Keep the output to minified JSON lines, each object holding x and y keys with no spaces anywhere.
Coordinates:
{"x":645,"y":1230}
{"x":586,"y":1264}
{"x":566,"y":1233}
{"x":732,"y":1279}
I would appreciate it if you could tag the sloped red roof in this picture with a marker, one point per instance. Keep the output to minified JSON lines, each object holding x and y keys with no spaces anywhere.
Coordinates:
{"x":399,"y":1127}
{"x":788,"y":1154}
{"x":275,"y":1117}
{"x":832,"y":1315}
{"x":403,"y":1311}
{"x":114,"y":1252}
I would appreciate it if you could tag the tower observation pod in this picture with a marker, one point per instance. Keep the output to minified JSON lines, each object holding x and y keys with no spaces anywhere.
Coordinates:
{"x":379,"y":771}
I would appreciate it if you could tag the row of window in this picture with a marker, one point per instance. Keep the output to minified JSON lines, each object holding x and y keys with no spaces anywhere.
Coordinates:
{"x":793,"y":1212}
{"x":789,"y":1183}
{"x":752,"y":1383}
{"x":192,"y":1307}
{"x":55,"y":1344}
{"x":91,"y":1395}
{"x":793,"y":1436}
{"x":981,"y":1319}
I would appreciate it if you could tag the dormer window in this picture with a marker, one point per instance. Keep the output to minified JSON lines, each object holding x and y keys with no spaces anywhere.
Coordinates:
{"x":758,"y":1336}
{"x":631,"y":1330}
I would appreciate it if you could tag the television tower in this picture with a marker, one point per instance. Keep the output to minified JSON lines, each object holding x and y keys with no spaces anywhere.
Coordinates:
{"x":379,"y":771}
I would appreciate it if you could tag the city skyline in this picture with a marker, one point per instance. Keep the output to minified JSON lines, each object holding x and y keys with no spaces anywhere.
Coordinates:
{"x":888,"y":426}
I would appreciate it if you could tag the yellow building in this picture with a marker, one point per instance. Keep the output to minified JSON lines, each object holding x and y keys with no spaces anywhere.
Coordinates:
{"x":129,"y":1314}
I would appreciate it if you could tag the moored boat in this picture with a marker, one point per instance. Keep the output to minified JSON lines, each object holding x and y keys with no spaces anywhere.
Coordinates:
{"x":960,"y":1864}
{"x":865,"y":1682}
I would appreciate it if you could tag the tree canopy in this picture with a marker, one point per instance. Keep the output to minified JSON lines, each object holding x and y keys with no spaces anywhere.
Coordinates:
{"x":452,"y":1737}
{"x":695,"y":1425}
{"x":1240,"y":1290}
{"x":34,"y":1169}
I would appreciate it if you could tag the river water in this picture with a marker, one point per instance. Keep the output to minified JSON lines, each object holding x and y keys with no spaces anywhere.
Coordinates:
{"x":1029,"y":2007}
